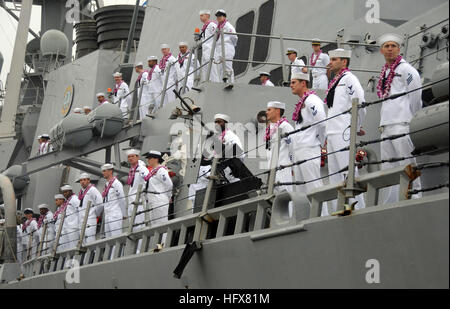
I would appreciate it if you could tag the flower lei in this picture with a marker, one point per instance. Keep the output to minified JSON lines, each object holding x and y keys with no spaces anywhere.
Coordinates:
{"x":41,"y":220}
{"x":220,"y":26}
{"x":206,"y":26}
{"x":116,"y":89}
{"x":384,"y":86}
{"x":181,"y":58}
{"x":82,"y":194}
{"x":142,"y":73}
{"x":131,"y":174}
{"x":300,"y":105}
{"x":334,"y":81}
{"x":62,"y":208}
{"x":312,"y":61}
{"x":105,"y":192}
{"x":154,"y":171}
{"x":163,"y":62}
{"x":222,"y":135}
{"x":27,"y":223}
{"x":150,"y":73}
{"x":271,"y":131}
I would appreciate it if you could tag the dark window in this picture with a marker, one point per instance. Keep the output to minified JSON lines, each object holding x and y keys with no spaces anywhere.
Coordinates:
{"x":265,"y":20}
{"x":243,"y":25}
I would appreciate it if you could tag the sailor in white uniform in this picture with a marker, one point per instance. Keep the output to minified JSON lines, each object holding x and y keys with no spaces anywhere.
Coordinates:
{"x":319,"y":59}
{"x":397,"y":76}
{"x":29,"y":231}
{"x":144,"y":93}
{"x":114,"y":202}
{"x":208,"y":30}
{"x":101,"y":98}
{"x":44,"y":144}
{"x":202,"y":182}
{"x":307,"y":144}
{"x":166,"y":60}
{"x":226,"y":139}
{"x":71,"y":231}
{"x":121,"y":95}
{"x":183,"y":59}
{"x":159,"y":187}
{"x":230,"y":42}
{"x":89,"y":193}
{"x":155,"y":83}
{"x":137,"y":175}
{"x":53,"y":227}
{"x":45,"y":218}
{"x":40,"y":141}
{"x":275,"y":116}
{"x":264,"y":77}
{"x":341,"y":91}
{"x":298,"y":66}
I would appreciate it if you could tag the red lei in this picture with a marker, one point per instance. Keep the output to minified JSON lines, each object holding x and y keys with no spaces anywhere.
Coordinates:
{"x":131,"y":174}
{"x":300,"y":105}
{"x":271,"y":131}
{"x":82,"y":194}
{"x":154,"y":171}
{"x":163,"y":62}
{"x":334,"y":81}
{"x":110,"y":183}
{"x":313,"y":61}
{"x":383,"y":92}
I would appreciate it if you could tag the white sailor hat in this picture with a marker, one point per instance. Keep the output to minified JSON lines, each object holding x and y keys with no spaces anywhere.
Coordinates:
{"x":107,"y":166}
{"x":59,"y":197}
{"x":164,"y":46}
{"x":139,"y":64}
{"x":300,"y":76}
{"x":130,"y":152}
{"x":223,"y":117}
{"x":39,"y":137}
{"x":291,"y":51}
{"x":100,"y":94}
{"x":83,"y":176}
{"x":66,"y":188}
{"x":276,"y":104}
{"x":183,"y":44}
{"x":78,"y":110}
{"x":28,"y":211}
{"x":87,"y":107}
{"x":264,"y":73}
{"x":45,"y":136}
{"x":117,"y":74}
{"x":221,"y":12}
{"x":390,"y":37}
{"x":150,"y":58}
{"x":340,"y":53}
{"x":202,"y":12}
{"x":316,"y":41}
{"x":43,"y":206}
{"x":153,"y":154}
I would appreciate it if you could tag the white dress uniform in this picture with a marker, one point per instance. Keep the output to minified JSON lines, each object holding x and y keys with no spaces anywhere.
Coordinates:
{"x":395,"y":118}
{"x":268,"y":83}
{"x":70,"y":232}
{"x":285,"y":155}
{"x":19,"y":244}
{"x":119,"y":98}
{"x":159,"y":203}
{"x":307,"y":144}
{"x":114,"y":208}
{"x":50,"y":233}
{"x":146,"y":98}
{"x":320,"y":79}
{"x":230,"y":50}
{"x":209,"y":29}
{"x":170,"y":96}
{"x":181,"y":71}
{"x":139,"y":179}
{"x":45,"y":148}
{"x":298,"y":68}
{"x":338,"y":132}
{"x":92,"y":195}
{"x":29,"y":229}
{"x":155,"y":86}
{"x":202,"y":182}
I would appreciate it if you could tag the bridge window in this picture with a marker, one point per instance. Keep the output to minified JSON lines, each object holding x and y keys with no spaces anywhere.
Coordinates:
{"x":265,"y":20}
{"x":244,"y":24}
